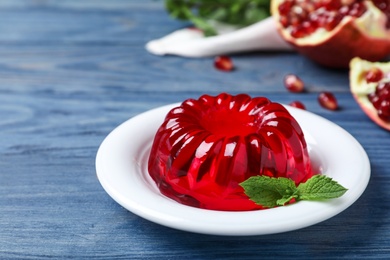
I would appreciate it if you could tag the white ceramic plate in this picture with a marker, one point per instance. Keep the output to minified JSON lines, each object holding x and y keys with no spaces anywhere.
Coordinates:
{"x":121,"y":165}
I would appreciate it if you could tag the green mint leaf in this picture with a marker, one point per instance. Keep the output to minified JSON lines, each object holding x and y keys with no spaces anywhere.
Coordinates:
{"x":269,"y":192}
{"x":320,"y":187}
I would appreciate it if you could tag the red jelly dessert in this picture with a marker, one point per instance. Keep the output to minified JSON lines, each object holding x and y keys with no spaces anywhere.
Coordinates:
{"x":205,"y":148}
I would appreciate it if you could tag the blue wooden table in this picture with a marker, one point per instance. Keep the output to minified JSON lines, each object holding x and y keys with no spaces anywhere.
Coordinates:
{"x":71,"y":71}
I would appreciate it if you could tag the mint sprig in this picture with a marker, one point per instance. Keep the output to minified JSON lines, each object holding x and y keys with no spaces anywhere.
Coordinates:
{"x":272,"y":192}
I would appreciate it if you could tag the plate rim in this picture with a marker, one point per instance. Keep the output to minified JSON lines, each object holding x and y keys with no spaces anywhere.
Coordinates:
{"x":322,"y":213}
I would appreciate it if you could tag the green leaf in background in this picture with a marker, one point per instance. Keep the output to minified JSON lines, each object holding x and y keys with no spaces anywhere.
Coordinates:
{"x":239,"y":13}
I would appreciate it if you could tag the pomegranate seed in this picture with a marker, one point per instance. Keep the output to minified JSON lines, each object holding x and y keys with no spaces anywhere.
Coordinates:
{"x":357,"y":9}
{"x":380,"y":99}
{"x":332,"y":21}
{"x":374,"y":75}
{"x":384,"y":110}
{"x":327,"y":100}
{"x":309,"y":26}
{"x":284,"y":21}
{"x":383,"y":89}
{"x":285,"y":7}
{"x":293,"y":83}
{"x":385,"y":95}
{"x":295,"y":20}
{"x":298,"y":104}
{"x":223,"y":63}
{"x":298,"y":32}
{"x":332,"y":4}
{"x":374,"y":99}
{"x":344,"y":10}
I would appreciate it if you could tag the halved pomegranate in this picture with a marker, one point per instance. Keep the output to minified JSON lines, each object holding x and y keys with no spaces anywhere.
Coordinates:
{"x":370,"y":86}
{"x":332,"y":32}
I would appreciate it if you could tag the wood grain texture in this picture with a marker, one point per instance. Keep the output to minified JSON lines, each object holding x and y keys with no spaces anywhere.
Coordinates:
{"x":71,"y":71}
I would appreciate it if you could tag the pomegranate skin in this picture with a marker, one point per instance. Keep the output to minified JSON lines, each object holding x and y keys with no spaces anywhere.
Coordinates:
{"x":206,"y":147}
{"x":360,"y":88}
{"x":336,"y":48}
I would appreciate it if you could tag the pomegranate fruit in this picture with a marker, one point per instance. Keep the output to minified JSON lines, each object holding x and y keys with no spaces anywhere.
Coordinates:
{"x":332,"y":32}
{"x":206,"y":147}
{"x":370,"y":86}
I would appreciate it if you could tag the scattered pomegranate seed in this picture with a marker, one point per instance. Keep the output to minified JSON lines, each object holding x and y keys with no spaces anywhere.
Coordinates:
{"x":328,"y":100}
{"x":374,"y":75}
{"x":298,"y":104}
{"x":223,"y":63}
{"x":293,"y":83}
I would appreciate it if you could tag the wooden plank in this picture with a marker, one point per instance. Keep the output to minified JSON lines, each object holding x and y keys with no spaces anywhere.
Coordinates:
{"x":82,"y":22}
{"x":71,"y":71}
